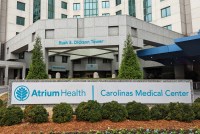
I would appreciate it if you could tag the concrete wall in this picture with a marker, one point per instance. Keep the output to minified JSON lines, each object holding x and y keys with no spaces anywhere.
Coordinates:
{"x":99,"y":28}
{"x":195,"y":8}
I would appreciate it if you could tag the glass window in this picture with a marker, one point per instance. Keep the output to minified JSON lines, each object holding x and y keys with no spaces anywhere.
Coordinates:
{"x":119,"y":12}
{"x":52,"y":59}
{"x":36,"y":10}
{"x":105,"y":4}
{"x":118,"y":2}
{"x":165,"y":12}
{"x":21,"y":55}
{"x":20,"y":20}
{"x":20,"y":6}
{"x":91,"y":60}
{"x":77,"y":16}
{"x":64,"y":59}
{"x":76,"y":6}
{"x":91,"y":8}
{"x":77,"y":61}
{"x":63,"y":16}
{"x":51,"y":9}
{"x":147,"y":10}
{"x":106,"y":61}
{"x":169,"y":27}
{"x":106,"y":14}
{"x":63,"y":5}
{"x":131,"y":6}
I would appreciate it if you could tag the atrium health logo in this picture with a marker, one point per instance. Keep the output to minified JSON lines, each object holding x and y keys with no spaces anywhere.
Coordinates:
{"x":21,"y":93}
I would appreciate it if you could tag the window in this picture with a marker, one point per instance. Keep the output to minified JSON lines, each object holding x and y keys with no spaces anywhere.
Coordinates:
{"x":36,"y":10}
{"x":33,"y":37}
{"x":119,"y":12}
{"x":77,"y":61}
{"x":134,"y":32}
{"x":117,"y":57}
{"x":165,"y":12}
{"x":113,"y":30}
{"x":49,"y":34}
{"x":21,"y":55}
{"x":20,"y":20}
{"x":106,"y":14}
{"x":52,"y":59}
{"x":64,"y":59}
{"x":118,"y":2}
{"x":63,"y":5}
{"x":17,"y":33}
{"x":169,"y":27}
{"x":51,"y":9}
{"x":63,"y":16}
{"x":105,"y":4}
{"x":7,"y":50}
{"x":91,"y":8}
{"x":147,"y":10}
{"x":76,"y":6}
{"x":77,"y":16}
{"x":106,"y":61}
{"x":91,"y":60}
{"x":131,"y":7}
{"x":20,"y":6}
{"x":162,"y":0}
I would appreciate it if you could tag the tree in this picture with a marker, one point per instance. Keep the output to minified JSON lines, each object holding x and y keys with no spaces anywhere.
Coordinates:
{"x":37,"y":68}
{"x":129,"y":67}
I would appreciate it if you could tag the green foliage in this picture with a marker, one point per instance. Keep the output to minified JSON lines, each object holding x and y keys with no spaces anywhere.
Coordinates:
{"x":2,"y":114}
{"x":62,"y":113}
{"x":197,"y":100}
{"x":159,"y":112}
{"x":180,"y":112}
{"x":37,"y":67}
{"x":130,"y":67}
{"x":1,"y":103}
{"x":89,"y":111}
{"x":196,"y":109}
{"x":114,"y":111}
{"x":36,"y":114}
{"x":137,"y":111}
{"x":11,"y":116}
{"x":27,"y":109}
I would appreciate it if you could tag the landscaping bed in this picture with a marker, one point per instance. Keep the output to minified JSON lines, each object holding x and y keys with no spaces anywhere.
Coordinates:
{"x":81,"y":126}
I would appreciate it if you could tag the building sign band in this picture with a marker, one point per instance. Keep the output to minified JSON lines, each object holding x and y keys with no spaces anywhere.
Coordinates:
{"x":123,"y":92}
{"x":80,"y":42}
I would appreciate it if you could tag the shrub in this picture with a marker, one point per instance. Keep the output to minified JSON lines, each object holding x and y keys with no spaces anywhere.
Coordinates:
{"x":36,"y":114}
{"x":89,"y":111}
{"x":2,"y":112}
{"x":11,"y":116}
{"x":159,"y":112}
{"x":137,"y":111}
{"x":180,"y":112}
{"x":27,"y":109}
{"x":114,"y":111}
{"x":197,"y":100}
{"x":1,"y":103}
{"x":62,"y":113}
{"x":196,"y":109}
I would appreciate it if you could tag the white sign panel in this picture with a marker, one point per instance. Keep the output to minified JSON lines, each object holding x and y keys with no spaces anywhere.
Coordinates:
{"x":123,"y":92}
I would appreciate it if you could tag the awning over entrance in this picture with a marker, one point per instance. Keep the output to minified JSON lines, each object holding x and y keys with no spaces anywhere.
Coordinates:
{"x":184,"y":51}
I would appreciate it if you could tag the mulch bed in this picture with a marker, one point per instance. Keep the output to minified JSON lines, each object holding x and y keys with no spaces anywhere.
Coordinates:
{"x":76,"y":126}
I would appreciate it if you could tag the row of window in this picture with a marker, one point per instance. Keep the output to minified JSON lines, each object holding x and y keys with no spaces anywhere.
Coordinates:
{"x":90,"y":9}
{"x":91,"y":60}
